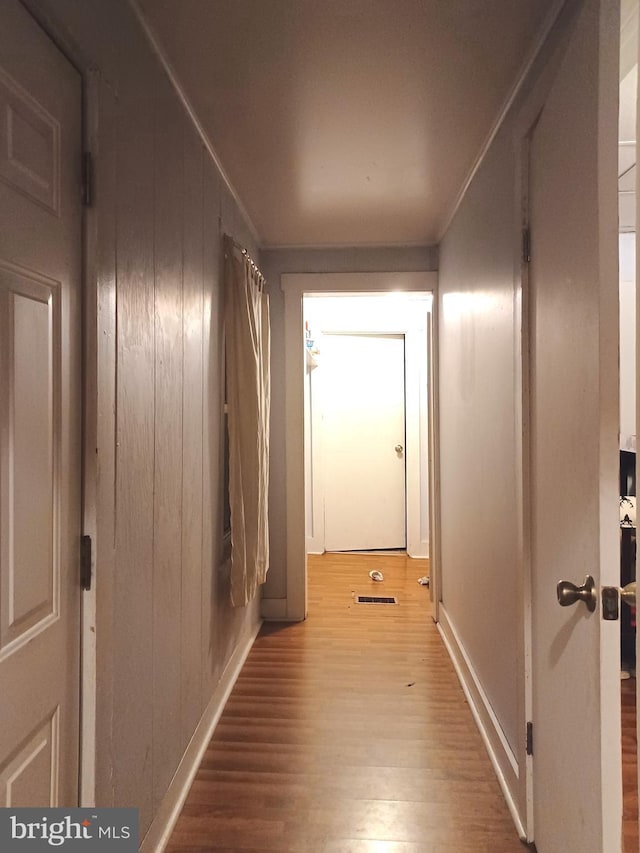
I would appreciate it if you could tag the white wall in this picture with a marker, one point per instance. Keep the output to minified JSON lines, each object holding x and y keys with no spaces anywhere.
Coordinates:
{"x":274,"y":263}
{"x":627,"y":341}
{"x":477,"y":333}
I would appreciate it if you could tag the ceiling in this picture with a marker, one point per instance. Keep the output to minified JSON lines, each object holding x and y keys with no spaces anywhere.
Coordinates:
{"x":347,"y":122}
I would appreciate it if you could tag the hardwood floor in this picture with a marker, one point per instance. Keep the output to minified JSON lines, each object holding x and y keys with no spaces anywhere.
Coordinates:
{"x":348,"y":733}
{"x":629,"y":767}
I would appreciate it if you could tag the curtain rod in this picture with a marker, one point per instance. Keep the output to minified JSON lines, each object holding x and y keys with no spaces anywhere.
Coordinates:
{"x":229,"y":239}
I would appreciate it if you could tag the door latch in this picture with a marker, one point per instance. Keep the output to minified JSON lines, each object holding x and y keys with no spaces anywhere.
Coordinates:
{"x":610,"y":606}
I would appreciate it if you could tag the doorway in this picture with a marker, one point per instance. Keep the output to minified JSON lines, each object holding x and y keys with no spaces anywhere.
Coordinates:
{"x":296,"y":287}
{"x":366,"y":422}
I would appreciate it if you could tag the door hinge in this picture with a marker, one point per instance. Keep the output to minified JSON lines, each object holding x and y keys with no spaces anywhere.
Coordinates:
{"x":529,"y":738}
{"x":526,"y":245}
{"x":85,"y":562}
{"x":87,"y":179}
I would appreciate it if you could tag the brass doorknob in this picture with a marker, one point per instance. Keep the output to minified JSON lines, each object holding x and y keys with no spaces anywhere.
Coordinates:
{"x":399,"y":448}
{"x":568,"y":593}
{"x":628,"y":594}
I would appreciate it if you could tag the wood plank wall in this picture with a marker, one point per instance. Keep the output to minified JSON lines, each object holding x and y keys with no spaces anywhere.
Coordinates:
{"x":165,"y":629}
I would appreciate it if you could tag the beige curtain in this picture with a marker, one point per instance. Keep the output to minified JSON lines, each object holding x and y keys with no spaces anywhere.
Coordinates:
{"x":247,"y":336}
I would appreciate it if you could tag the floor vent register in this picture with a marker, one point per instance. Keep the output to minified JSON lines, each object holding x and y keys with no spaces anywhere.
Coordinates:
{"x":376,"y":599}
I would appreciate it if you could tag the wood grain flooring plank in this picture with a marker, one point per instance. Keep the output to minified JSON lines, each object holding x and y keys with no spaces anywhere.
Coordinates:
{"x":348,"y":733}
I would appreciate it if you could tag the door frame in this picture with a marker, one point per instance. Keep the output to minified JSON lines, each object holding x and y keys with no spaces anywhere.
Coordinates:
{"x":415,"y":419}
{"x":91,"y":344}
{"x":294,"y":287}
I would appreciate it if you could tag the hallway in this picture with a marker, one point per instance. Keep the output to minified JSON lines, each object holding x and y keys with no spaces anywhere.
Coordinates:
{"x":348,"y":733}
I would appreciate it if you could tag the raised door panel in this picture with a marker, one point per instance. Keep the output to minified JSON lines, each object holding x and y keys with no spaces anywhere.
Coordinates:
{"x":29,"y":497}
{"x":28,"y":778}
{"x":29,"y":145}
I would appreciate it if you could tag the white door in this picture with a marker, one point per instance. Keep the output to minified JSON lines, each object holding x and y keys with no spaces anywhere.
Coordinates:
{"x":363,"y":381}
{"x":574,"y":443}
{"x":40,"y":257}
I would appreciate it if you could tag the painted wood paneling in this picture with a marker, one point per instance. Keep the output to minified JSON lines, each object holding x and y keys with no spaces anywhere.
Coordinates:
{"x":100,"y":437}
{"x":132,"y":714}
{"x":211,"y":418}
{"x":168,"y":419}
{"x":192,"y":434}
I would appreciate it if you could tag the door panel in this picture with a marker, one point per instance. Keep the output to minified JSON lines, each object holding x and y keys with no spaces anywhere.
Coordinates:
{"x":363,"y":380}
{"x":30,"y":328}
{"x":40,"y":398}
{"x":30,"y":152}
{"x":574,"y":450}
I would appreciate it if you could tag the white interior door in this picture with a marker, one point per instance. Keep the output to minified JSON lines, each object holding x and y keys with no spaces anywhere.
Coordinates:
{"x":363,"y":380}
{"x":40,"y":257}
{"x":574,"y":443}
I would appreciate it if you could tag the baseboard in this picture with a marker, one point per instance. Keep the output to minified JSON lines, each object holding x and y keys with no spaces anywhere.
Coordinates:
{"x":274,"y":609}
{"x":162,"y":826}
{"x":419,"y":553}
{"x":314,"y":544}
{"x":500,"y":753}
